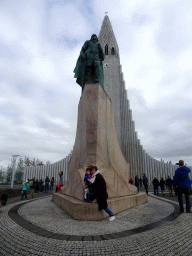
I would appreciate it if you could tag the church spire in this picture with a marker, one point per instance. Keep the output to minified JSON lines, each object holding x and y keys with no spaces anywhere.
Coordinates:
{"x":107,"y":38}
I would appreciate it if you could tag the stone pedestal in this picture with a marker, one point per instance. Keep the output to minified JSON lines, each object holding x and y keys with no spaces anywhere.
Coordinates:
{"x":96,"y":143}
{"x":79,"y":210}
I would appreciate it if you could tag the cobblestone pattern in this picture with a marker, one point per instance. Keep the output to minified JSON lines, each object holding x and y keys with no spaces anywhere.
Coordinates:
{"x":141,"y":215}
{"x":173,"y":239}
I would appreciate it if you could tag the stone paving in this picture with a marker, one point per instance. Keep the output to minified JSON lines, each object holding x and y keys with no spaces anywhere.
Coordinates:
{"x":63,"y":224}
{"x":172,"y":238}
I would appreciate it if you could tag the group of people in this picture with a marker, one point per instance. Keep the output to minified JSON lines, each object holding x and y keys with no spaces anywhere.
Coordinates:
{"x":169,"y":184}
{"x":181,"y":184}
{"x":47,"y":185}
{"x":140,"y":181}
{"x":36,"y":186}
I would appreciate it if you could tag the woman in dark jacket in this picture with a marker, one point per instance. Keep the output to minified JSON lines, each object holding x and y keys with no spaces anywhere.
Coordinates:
{"x":100,"y":191}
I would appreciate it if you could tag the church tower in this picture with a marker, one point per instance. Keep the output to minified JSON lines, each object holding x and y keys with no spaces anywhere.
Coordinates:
{"x":114,"y":86}
{"x":111,"y":67}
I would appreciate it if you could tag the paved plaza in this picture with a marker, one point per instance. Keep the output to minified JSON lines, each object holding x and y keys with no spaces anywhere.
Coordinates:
{"x":40,"y":227}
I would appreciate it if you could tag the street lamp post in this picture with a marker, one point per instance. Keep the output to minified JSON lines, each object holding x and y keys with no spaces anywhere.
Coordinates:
{"x":14,"y":167}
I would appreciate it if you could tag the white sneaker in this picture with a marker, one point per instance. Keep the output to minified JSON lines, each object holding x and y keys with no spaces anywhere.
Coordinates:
{"x":95,"y":201}
{"x":112,"y":218}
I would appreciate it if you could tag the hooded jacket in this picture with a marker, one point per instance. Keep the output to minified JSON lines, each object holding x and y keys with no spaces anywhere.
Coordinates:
{"x":25,"y":186}
{"x":181,"y":178}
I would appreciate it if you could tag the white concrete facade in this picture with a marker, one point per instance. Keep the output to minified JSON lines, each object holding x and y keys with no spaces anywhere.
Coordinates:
{"x":51,"y":170}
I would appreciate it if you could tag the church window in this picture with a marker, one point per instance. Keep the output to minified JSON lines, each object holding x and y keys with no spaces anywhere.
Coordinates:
{"x":106,"y":49}
{"x":112,"y":51}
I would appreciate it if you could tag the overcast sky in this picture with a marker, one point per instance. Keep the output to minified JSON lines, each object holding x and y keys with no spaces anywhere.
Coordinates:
{"x":39,"y":44}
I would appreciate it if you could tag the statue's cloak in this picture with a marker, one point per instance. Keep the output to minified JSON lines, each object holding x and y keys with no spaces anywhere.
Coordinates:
{"x":83,"y":61}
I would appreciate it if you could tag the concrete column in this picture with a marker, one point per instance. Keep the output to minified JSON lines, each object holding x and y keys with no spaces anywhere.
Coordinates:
{"x":49,"y":170}
{"x":59,"y":166}
{"x":55,"y":174}
{"x":141,"y":157}
{"x":124,"y":132}
{"x":144,"y":162}
{"x":128,"y":133}
{"x":123,"y":117}
{"x":129,"y":138}
{"x":65,"y":170}
{"x":158,"y":170}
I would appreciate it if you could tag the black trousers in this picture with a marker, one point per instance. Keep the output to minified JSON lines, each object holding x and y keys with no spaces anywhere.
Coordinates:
{"x":24,"y":193}
{"x":146,"y":188}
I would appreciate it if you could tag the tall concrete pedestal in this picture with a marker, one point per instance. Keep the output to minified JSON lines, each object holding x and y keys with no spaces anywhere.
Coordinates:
{"x":96,"y":143}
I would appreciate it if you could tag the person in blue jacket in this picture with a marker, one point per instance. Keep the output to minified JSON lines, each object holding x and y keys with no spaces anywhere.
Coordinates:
{"x":183,"y":184}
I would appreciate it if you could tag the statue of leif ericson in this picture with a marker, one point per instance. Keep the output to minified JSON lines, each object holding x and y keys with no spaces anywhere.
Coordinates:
{"x":89,"y":67}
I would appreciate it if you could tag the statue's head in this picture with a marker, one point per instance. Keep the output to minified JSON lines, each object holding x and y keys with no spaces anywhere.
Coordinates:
{"x":94,"y":38}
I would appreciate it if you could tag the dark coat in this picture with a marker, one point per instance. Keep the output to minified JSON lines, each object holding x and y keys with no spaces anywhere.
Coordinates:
{"x":136,"y":182}
{"x":37,"y":185}
{"x":145,"y":181}
{"x":100,"y":191}
{"x":162,"y":183}
{"x":169,"y":182}
{"x":155,"y":183}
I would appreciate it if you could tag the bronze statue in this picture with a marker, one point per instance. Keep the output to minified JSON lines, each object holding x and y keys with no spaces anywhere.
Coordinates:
{"x":89,"y":67}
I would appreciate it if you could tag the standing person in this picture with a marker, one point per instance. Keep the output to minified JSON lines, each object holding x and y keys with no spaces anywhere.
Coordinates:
{"x":162,"y":185}
{"x":60,"y":182}
{"x":37,"y":186}
{"x":41,"y":182}
{"x":137,"y":182}
{"x":183,"y":183}
{"x":100,"y":191}
{"x":156,"y":186}
{"x":145,"y":183}
{"x":32,"y":190}
{"x":47,"y":180}
{"x":140,"y":180}
{"x":34,"y":182}
{"x":30,"y":184}
{"x":41,"y":186}
{"x":52,"y":183}
{"x":169,"y":184}
{"x":24,"y":189}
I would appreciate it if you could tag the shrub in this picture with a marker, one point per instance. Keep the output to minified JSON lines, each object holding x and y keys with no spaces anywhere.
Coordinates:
{"x":11,"y":192}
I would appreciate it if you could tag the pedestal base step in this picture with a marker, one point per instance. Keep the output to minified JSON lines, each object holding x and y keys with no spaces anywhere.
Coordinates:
{"x":79,"y":210}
